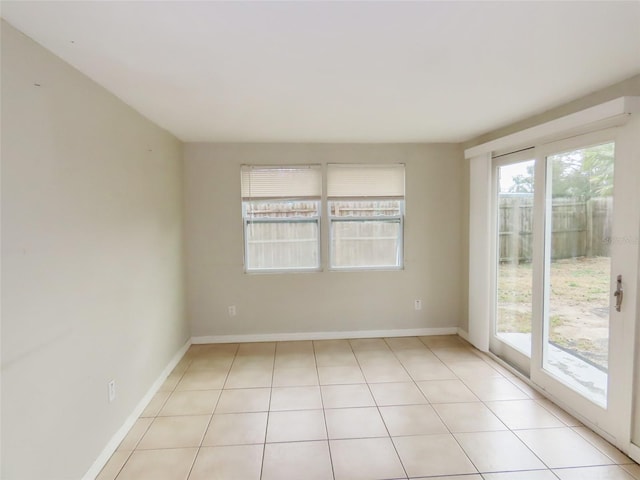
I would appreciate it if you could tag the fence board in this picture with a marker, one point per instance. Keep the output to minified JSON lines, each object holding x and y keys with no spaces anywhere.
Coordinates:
{"x":579,"y":227}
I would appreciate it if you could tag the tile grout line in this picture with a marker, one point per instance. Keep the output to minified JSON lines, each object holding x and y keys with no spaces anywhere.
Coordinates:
{"x":441,"y":419}
{"x":324,"y":412}
{"x":204,"y":434}
{"x":153,"y":418}
{"x":395,"y":449}
{"x":266,"y":429}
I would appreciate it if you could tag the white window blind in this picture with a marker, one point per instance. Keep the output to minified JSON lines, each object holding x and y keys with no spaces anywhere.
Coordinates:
{"x":361,"y":181}
{"x":281,"y":182}
{"x":366,"y":212}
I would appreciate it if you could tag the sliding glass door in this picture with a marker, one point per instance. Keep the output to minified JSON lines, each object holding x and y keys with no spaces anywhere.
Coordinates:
{"x":515,"y":187}
{"x":578,"y":276}
{"x":559,"y":273}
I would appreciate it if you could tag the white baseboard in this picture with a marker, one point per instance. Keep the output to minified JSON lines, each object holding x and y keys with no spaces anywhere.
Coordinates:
{"x":117,"y":438}
{"x":282,"y":337}
{"x":634,"y":452}
{"x":464,"y":334}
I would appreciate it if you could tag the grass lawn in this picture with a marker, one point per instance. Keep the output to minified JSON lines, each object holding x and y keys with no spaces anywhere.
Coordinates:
{"x":578,"y":304}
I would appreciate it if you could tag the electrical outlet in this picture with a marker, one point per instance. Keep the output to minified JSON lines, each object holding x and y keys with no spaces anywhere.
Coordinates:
{"x":111,"y":387}
{"x":232,"y":311}
{"x":418,"y":305}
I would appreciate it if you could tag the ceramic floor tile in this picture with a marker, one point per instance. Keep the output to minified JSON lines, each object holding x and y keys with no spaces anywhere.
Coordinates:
{"x":530,"y":475}
{"x":474,"y":369}
{"x":405,"y":393}
{"x":365,"y":459}
{"x":244,"y":400}
{"x":294,"y":347}
{"x":241,"y":462}
{"x":193,"y":402}
{"x":341,"y":375}
{"x":296,"y":360}
{"x":249,"y":377}
{"x":293,"y":461}
{"x":134,"y":435}
{"x":633,"y":469}
{"x":404,"y":343}
{"x":430,"y":455}
{"x":166,"y":464}
{"x":236,"y":429}
{"x":609,"y":472}
{"x":170,"y":382}
{"x":498,"y":451}
{"x":203,"y":380}
{"x":112,"y":468}
{"x":332,"y":346}
{"x":155,"y":404}
{"x":385,"y":373}
{"x":566,"y":418}
{"x":454,"y":354}
{"x":214,"y":349}
{"x":452,"y":477}
{"x":207,"y":364}
{"x":293,"y":426}
{"x":295,"y":377}
{"x":295,"y":398}
{"x":601,"y":444}
{"x":470,"y":395}
{"x":446,"y":391}
{"x":344,"y":396}
{"x":562,"y":447}
{"x":526,"y":388}
{"x":494,"y":389}
{"x":369,"y":345}
{"x":355,"y":423}
{"x":257,"y":349}
{"x":182,"y":365}
{"x":372,"y":359}
{"x":468,"y":417}
{"x":253,"y":361}
{"x":175,"y":432}
{"x":524,"y":414}
{"x":443,"y":341}
{"x":416,"y":356}
{"x":412,"y":420}
{"x":420,"y":371}
{"x":336,"y":359}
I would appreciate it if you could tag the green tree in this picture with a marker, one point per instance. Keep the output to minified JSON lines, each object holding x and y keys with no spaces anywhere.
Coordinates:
{"x":583,"y":173}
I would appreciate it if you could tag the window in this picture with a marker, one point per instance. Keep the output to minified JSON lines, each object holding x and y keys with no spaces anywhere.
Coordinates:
{"x":366,"y":211}
{"x":281,"y":213}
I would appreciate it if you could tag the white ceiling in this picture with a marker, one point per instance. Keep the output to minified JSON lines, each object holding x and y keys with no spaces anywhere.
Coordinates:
{"x":338,"y":71}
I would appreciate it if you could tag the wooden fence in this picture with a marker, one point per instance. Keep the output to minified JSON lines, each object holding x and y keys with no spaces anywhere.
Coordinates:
{"x":580,"y":228}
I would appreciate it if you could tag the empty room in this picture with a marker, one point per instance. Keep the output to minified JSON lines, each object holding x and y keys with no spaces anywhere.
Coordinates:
{"x":320,"y":240}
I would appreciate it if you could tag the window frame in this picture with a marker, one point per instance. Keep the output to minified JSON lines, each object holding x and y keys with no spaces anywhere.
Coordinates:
{"x":317,"y":219}
{"x":364,"y":219}
{"x":360,"y":197}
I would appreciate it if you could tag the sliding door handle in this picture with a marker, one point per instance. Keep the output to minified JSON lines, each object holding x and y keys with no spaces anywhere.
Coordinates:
{"x":619,"y":293}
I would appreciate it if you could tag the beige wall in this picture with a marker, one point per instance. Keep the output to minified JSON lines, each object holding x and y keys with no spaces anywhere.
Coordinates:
{"x":325,"y":301}
{"x":92,"y":276}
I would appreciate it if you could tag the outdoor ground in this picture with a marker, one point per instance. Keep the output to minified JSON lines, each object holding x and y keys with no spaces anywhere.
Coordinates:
{"x":579,"y":305}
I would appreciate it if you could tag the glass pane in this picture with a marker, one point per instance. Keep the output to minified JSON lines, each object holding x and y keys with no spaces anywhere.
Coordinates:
{"x":281,"y":209}
{"x":365,"y":243}
{"x":578,"y":281}
{"x":366,"y":233}
{"x":282,"y":235}
{"x":366,"y":208}
{"x":282,"y":245}
{"x":514,"y":273}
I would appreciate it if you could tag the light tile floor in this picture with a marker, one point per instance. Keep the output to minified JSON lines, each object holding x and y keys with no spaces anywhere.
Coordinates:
{"x":364,"y":409}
